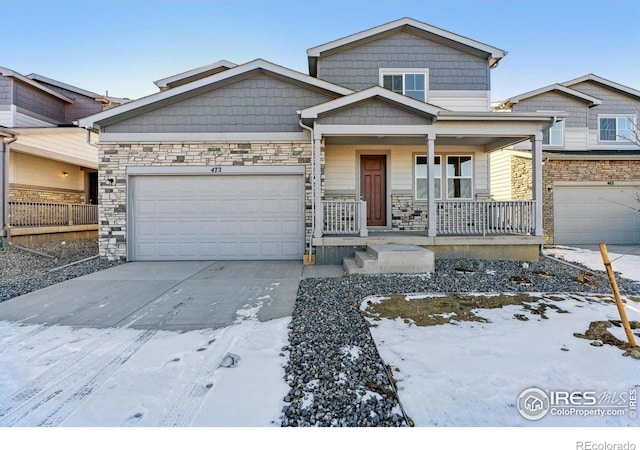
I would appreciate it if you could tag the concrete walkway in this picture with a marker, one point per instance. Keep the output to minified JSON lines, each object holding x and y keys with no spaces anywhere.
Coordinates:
{"x":172,"y":296}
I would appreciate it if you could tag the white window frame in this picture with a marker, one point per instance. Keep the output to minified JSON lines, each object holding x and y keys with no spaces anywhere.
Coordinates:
{"x":618,"y":139}
{"x":437,"y":176}
{"x":405,"y":71}
{"x":560,"y":125}
{"x":443,"y":177}
{"x":471,"y":177}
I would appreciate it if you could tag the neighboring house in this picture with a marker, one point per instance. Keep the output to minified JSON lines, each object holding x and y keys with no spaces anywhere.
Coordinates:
{"x":387,"y":140}
{"x":591,"y":161}
{"x":47,"y":162}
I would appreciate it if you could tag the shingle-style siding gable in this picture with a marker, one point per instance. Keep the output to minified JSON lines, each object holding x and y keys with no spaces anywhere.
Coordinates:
{"x":6,"y":90}
{"x":82,"y":105}
{"x":260,"y":103}
{"x":35,"y":103}
{"x":449,"y":68}
{"x":373,"y":112}
{"x":555,"y":101}
{"x":613,"y":102}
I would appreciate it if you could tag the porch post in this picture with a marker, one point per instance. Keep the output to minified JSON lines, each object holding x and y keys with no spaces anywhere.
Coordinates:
{"x":536,"y":163}
{"x":431,"y":180}
{"x":317,"y":192}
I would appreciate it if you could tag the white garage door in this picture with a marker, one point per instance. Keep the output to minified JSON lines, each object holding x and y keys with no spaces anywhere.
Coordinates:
{"x":594,"y":214}
{"x":226,"y":217}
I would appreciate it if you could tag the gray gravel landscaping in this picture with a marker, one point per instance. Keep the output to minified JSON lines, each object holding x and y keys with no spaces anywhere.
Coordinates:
{"x":329,"y":386}
{"x":22,"y":272}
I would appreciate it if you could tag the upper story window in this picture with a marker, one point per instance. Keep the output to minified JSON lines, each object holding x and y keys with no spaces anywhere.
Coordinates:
{"x":616,"y":128}
{"x":413,"y":83}
{"x":554,"y":135}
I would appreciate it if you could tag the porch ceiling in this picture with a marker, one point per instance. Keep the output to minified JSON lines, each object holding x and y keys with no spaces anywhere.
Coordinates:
{"x":488,"y":142}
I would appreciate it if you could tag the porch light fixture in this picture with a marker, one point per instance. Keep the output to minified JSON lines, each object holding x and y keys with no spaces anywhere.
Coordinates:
{"x":110,"y":181}
{"x":65,"y":174}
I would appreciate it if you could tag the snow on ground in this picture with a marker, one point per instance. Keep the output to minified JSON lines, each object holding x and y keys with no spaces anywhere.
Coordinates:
{"x":471,"y":373}
{"x":627,"y":265}
{"x":121,"y":377}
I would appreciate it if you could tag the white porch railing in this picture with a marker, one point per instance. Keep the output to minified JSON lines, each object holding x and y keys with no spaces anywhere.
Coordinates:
{"x":344,"y":217}
{"x":485,"y":217}
{"x":33,"y":214}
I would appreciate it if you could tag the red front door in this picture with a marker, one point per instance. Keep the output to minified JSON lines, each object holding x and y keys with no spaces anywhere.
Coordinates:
{"x":373,"y":188}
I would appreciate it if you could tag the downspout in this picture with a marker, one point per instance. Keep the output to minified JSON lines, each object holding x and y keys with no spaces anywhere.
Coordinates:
{"x":89,"y":140}
{"x":5,"y":180}
{"x":313,"y":190}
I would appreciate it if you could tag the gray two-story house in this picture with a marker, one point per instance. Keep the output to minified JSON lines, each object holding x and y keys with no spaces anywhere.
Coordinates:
{"x":385,"y":140}
{"x":591,"y":172}
{"x":48,"y":171}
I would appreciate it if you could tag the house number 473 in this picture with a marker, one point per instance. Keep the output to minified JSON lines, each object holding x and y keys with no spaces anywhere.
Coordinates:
{"x":216,"y":169}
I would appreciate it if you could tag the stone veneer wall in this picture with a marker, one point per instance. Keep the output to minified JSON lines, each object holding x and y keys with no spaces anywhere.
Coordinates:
{"x":22,"y":193}
{"x":559,"y":170}
{"x":521,"y":178}
{"x":406,"y":214}
{"x":115,"y":158}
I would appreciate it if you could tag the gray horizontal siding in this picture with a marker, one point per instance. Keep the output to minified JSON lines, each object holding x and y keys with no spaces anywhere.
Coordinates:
{"x":449,"y":68}
{"x":43,"y":105}
{"x":374,"y":112}
{"x":554,"y":101}
{"x":6,"y":91}
{"x":613,"y":102}
{"x":260,"y":103}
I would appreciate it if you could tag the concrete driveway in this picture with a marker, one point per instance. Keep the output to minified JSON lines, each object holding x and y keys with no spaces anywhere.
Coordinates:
{"x":173,"y":296}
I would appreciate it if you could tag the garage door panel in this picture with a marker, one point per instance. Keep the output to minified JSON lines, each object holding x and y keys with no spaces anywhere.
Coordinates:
{"x":594,"y":214}
{"x":226,"y":217}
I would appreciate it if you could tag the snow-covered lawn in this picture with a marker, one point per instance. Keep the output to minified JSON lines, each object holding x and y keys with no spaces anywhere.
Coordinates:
{"x":468,"y":373}
{"x":55,"y":375}
{"x":627,"y":265}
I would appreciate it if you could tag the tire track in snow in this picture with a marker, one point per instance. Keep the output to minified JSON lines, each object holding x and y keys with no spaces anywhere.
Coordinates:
{"x":90,"y":377}
{"x":193,"y":393}
{"x":76,"y":385}
{"x":45,"y":379}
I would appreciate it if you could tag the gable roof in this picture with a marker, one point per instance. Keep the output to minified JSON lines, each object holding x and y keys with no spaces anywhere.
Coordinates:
{"x":13,"y":74}
{"x":68,"y":87}
{"x":604,"y":82}
{"x":375,"y":92}
{"x":194,"y":74}
{"x":494,"y":54}
{"x":159,"y":99}
{"x":592,"y":101}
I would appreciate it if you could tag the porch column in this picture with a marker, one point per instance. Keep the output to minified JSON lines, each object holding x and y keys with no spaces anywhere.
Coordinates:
{"x":431,"y":180}
{"x":536,"y":166}
{"x":317,"y":188}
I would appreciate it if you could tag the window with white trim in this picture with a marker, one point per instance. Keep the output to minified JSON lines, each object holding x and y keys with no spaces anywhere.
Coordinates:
{"x":410,"y":82}
{"x":616,"y":128}
{"x":554,"y":136}
{"x":460,"y":177}
{"x":421,"y":184}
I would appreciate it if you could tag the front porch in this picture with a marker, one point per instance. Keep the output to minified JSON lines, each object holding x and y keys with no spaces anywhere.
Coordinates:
{"x":480,"y":229}
{"x":388,"y":169}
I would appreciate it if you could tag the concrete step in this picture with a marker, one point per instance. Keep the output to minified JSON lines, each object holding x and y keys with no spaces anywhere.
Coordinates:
{"x":391,"y":258}
{"x":351,"y":266}
{"x":365,"y":259}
